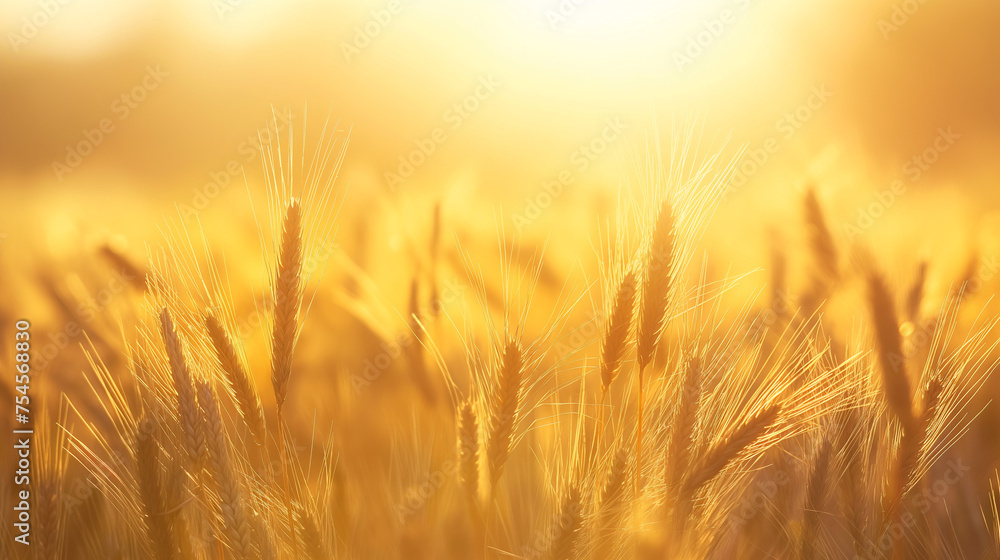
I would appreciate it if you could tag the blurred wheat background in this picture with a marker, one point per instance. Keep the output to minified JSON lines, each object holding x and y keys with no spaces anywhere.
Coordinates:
{"x":505,"y":279}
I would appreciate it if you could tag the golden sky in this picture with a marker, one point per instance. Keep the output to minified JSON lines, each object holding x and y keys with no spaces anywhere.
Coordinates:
{"x":847,"y":91}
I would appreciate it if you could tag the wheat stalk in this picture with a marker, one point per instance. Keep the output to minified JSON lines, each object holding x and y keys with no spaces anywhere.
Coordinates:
{"x":239,"y":381}
{"x":435,"y":256}
{"x":613,"y":498}
{"x":415,"y":349}
{"x":236,"y":527}
{"x":158,"y":530}
{"x":816,"y":493}
{"x":187,"y":405}
{"x":287,"y":300}
{"x":653,"y":311}
{"x":850,"y":438}
{"x":915,"y":295}
{"x":48,"y":485}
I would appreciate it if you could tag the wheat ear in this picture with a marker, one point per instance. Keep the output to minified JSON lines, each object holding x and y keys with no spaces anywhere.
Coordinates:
{"x":287,"y":299}
{"x":314,"y":545}
{"x":726,"y":451}
{"x":236,"y":528}
{"x":613,"y":497}
{"x":895,"y":382}
{"x":905,"y":470}
{"x":824,"y":256}
{"x":265,"y":537}
{"x":616,"y":332}
{"x":653,"y":311}
{"x":568,"y":526}
{"x":238,"y":378}
{"x":506,"y":407}
{"x":682,"y":435}
{"x":468,"y":457}
{"x":187,"y":405}
{"x":49,"y":516}
{"x":656,"y":285}
{"x":912,"y":443}
{"x":821,"y":244}
{"x":468,"y":453}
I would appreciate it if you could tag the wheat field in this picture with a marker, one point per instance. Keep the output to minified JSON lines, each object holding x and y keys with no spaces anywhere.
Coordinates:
{"x":642,"y":409}
{"x":506,"y":280}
